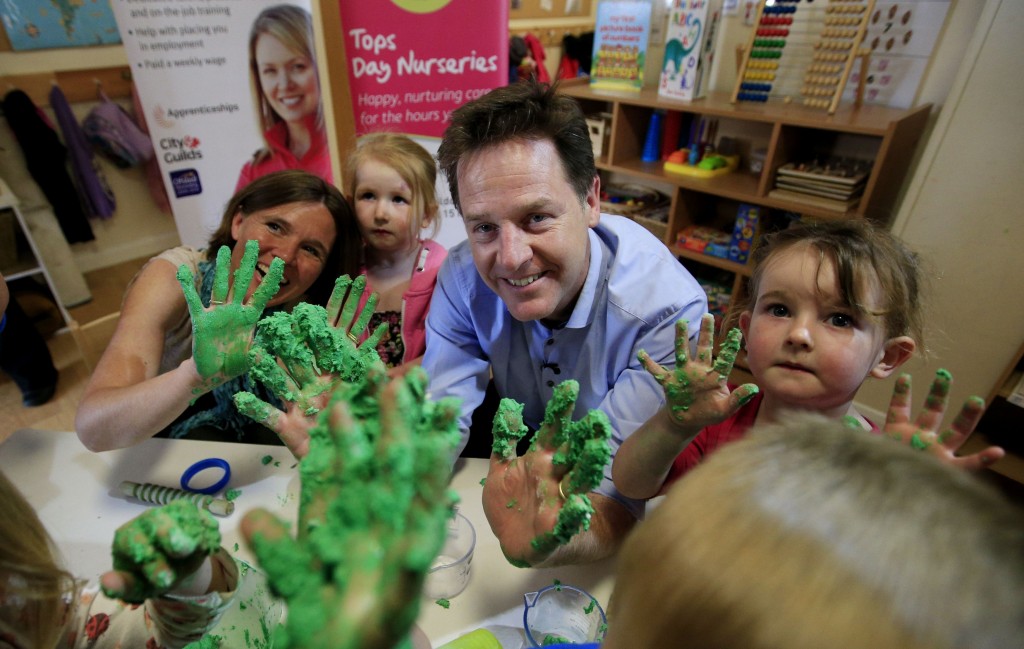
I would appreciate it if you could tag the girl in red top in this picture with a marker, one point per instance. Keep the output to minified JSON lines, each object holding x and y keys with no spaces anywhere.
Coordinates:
{"x":831,"y":305}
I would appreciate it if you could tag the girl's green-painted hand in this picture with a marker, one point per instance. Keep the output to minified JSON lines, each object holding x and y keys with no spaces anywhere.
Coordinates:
{"x":923,"y":433}
{"x":302,"y":357}
{"x":157,"y":550}
{"x":523,"y":496}
{"x":696,"y":390}
{"x":373,"y":509}
{"x":222,"y":332}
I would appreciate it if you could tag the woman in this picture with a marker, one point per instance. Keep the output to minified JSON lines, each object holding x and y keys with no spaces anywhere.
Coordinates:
{"x":148,"y":380}
{"x":286,"y":89}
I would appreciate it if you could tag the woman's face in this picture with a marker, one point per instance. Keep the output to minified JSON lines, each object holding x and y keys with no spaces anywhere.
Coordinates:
{"x":301,"y":234}
{"x":288,"y":79}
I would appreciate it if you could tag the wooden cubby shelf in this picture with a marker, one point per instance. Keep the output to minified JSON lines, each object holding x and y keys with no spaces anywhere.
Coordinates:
{"x":888,"y":137}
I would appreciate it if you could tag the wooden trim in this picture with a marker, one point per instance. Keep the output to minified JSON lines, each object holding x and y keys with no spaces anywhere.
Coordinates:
{"x":334,"y":77}
{"x":77,"y":85}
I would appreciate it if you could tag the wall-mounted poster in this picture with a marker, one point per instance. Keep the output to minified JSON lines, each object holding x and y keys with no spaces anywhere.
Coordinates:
{"x":44,"y":24}
{"x":901,"y":35}
{"x":411,"y":63}
{"x":230,"y":92}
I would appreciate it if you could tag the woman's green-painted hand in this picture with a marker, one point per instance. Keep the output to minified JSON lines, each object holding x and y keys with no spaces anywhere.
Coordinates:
{"x":302,"y":357}
{"x":923,"y":433}
{"x":696,"y":390}
{"x":222,"y":332}
{"x":523,"y":496}
{"x":373,"y":509}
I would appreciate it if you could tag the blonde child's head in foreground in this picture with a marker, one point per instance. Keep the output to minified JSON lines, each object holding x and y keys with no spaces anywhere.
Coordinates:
{"x":811,"y":534}
{"x":830,"y":304}
{"x":36,"y":594}
{"x":391,"y":182}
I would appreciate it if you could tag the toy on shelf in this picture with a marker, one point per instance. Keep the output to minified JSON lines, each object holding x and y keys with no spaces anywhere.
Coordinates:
{"x":705,"y":240}
{"x":711,"y":165}
{"x":804,"y":51}
{"x":744,"y":232}
{"x":645,"y":205}
{"x":700,"y":158}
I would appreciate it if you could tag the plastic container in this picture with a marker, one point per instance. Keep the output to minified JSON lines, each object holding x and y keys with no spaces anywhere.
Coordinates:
{"x":450,"y":572}
{"x":562,"y":613}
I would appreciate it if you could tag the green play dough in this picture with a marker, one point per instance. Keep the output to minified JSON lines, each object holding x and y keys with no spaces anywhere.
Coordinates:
{"x":136,"y":543}
{"x":563,"y":399}
{"x":210,"y":641}
{"x":232,"y":494}
{"x":581,"y":445}
{"x":589,"y":451}
{"x":377,"y":488}
{"x":917,"y":442}
{"x":309,"y":346}
{"x":508,"y":428}
{"x":252,"y":407}
{"x":940,"y":390}
{"x":573,"y":517}
{"x":267,"y":459}
{"x":727,"y":352}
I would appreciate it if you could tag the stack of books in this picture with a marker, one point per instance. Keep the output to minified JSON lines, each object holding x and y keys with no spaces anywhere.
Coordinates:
{"x":835,"y":183}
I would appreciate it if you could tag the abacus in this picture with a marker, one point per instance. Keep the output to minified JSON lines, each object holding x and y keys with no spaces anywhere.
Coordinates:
{"x":804,"y":49}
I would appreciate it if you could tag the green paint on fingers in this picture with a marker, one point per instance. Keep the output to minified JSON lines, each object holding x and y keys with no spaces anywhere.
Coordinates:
{"x":507,"y":429}
{"x":917,"y":442}
{"x":727,"y":352}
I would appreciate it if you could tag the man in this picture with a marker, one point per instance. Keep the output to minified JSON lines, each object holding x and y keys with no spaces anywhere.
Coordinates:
{"x":545,"y":289}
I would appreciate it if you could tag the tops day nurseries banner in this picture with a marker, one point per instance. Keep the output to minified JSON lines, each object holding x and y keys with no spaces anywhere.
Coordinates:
{"x":412,"y":62}
{"x":214,"y":125}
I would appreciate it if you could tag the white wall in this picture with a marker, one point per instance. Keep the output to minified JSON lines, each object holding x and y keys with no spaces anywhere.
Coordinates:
{"x":962,"y":212}
{"x":138,"y":228}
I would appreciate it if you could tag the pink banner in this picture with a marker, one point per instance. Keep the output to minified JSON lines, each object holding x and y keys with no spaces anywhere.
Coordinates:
{"x":412,"y":62}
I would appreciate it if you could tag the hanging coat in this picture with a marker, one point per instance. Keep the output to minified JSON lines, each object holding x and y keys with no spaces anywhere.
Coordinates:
{"x":46,"y":160}
{"x":95,"y":193}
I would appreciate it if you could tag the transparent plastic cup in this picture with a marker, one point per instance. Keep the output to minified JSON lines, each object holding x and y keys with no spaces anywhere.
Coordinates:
{"x":450,"y":572}
{"x":562,"y":613}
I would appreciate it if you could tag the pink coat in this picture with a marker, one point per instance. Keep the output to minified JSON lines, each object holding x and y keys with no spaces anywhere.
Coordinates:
{"x":416,"y":299}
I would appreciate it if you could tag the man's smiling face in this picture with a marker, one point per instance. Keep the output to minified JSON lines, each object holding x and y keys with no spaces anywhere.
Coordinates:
{"x":527,"y":228}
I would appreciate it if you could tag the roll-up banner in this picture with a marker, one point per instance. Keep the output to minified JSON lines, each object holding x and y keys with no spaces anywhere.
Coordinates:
{"x":230,"y":92}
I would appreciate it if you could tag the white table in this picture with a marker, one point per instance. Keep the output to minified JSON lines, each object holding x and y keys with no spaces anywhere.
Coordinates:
{"x":76,"y":493}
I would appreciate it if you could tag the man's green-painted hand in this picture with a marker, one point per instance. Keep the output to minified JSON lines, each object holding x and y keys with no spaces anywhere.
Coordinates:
{"x":538,"y":502}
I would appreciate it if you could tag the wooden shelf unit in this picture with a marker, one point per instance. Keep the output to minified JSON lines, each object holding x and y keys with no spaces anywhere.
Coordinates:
{"x":787,"y":132}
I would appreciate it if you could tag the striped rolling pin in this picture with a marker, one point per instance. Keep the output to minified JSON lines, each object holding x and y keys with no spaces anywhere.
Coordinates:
{"x":158,"y":495}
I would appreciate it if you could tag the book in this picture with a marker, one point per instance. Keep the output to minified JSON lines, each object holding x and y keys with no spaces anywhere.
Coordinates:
{"x":689,"y":49}
{"x":838,"y":171}
{"x":814,"y":190}
{"x":621,"y":31}
{"x":838,"y":205}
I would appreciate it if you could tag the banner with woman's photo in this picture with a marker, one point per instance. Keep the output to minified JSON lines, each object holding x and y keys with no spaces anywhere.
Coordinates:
{"x":230,"y":92}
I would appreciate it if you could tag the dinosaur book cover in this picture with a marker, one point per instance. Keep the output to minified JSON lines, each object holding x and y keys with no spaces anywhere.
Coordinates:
{"x":689,"y":48}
